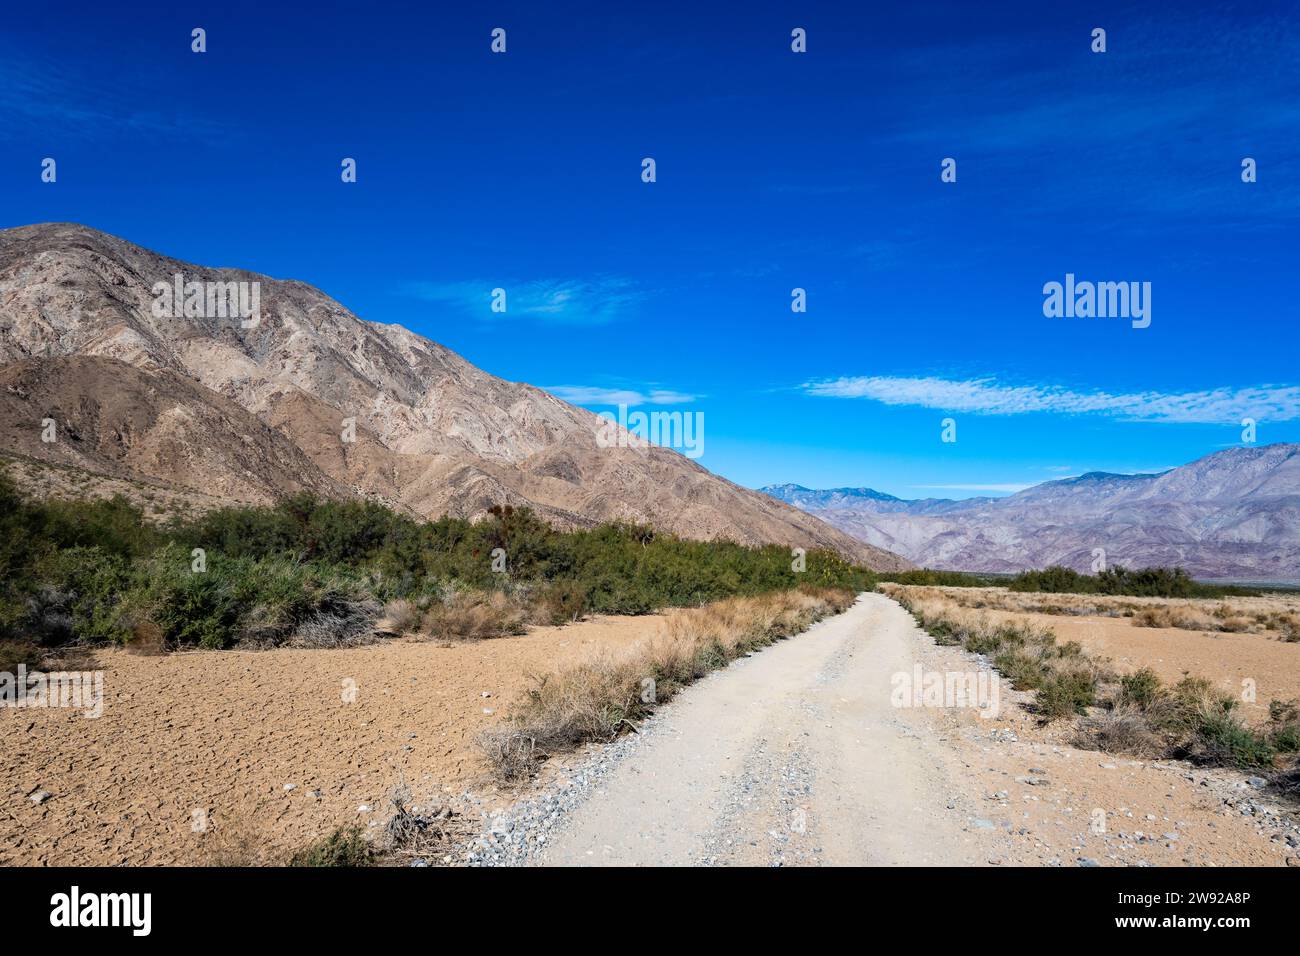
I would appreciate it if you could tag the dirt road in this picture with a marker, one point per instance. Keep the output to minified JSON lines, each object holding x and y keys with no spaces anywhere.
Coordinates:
{"x":792,"y":756}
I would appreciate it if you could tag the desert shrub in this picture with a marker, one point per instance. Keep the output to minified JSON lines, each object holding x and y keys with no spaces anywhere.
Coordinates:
{"x":1064,"y":693}
{"x":114,"y":526}
{"x":301,"y":526}
{"x":1194,"y":697}
{"x":80,"y":596}
{"x":1284,"y":726}
{"x":1223,"y":740}
{"x":985,"y":640}
{"x":189,"y":608}
{"x":1055,"y":579}
{"x":1193,"y":719}
{"x":281,"y":601}
{"x":1028,"y":655}
{"x":930,"y":578}
{"x":265,"y":602}
{"x":1025,"y":669}
{"x":1204,"y":721}
{"x":1283,"y":711}
{"x":1141,"y":689}
{"x":559,"y":602}
{"x":708,"y":657}
{"x":196,"y":610}
{"x":1285,"y":739}
{"x":346,"y":846}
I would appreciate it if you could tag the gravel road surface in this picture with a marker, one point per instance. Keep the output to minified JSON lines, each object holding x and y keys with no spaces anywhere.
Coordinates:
{"x":793,"y":756}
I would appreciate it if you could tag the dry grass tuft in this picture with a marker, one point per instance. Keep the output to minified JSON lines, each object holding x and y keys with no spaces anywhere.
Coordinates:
{"x":1124,"y":729}
{"x":474,"y":616}
{"x":238,"y":843}
{"x":1174,"y":616}
{"x":399,"y":618}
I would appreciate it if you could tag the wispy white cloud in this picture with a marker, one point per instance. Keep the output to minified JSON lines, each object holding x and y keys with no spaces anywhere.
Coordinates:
{"x":987,"y":396}
{"x":595,"y":301}
{"x":42,"y":93}
{"x":596,"y":395}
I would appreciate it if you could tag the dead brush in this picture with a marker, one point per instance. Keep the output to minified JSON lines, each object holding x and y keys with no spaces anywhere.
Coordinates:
{"x":512,"y":754}
{"x":146,"y":638}
{"x":1123,"y":729}
{"x":340,"y":622}
{"x":400,"y":616}
{"x":1222,"y":618}
{"x":430,"y":833}
{"x":474,"y":616}
{"x":1289,"y":627}
{"x":1154,"y":617}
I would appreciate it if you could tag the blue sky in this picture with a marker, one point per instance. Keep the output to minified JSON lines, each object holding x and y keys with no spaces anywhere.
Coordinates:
{"x":775,"y":170}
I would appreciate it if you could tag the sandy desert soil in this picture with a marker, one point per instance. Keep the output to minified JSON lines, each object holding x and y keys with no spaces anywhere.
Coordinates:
{"x":225,"y":732}
{"x":794,"y":756}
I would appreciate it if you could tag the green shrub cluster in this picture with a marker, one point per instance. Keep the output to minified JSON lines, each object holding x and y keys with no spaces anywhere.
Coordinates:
{"x":1056,"y":579}
{"x":1145,"y":582}
{"x":928,"y":577}
{"x":318,"y":572}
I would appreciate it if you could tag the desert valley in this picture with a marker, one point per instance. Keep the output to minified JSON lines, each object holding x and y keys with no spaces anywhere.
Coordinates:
{"x":352,"y":600}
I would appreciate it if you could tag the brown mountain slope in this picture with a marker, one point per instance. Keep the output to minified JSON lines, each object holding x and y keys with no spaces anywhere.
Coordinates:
{"x":433,"y":434}
{"x":112,"y":419}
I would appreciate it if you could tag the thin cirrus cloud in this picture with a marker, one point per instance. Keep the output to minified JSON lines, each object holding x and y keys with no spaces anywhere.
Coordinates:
{"x":39,"y":93}
{"x":597,"y":301}
{"x":596,"y":395}
{"x":987,"y":396}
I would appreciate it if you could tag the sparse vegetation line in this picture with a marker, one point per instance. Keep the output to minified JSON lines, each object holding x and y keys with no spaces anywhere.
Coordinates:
{"x":1134,"y":714}
{"x":1117,"y":580}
